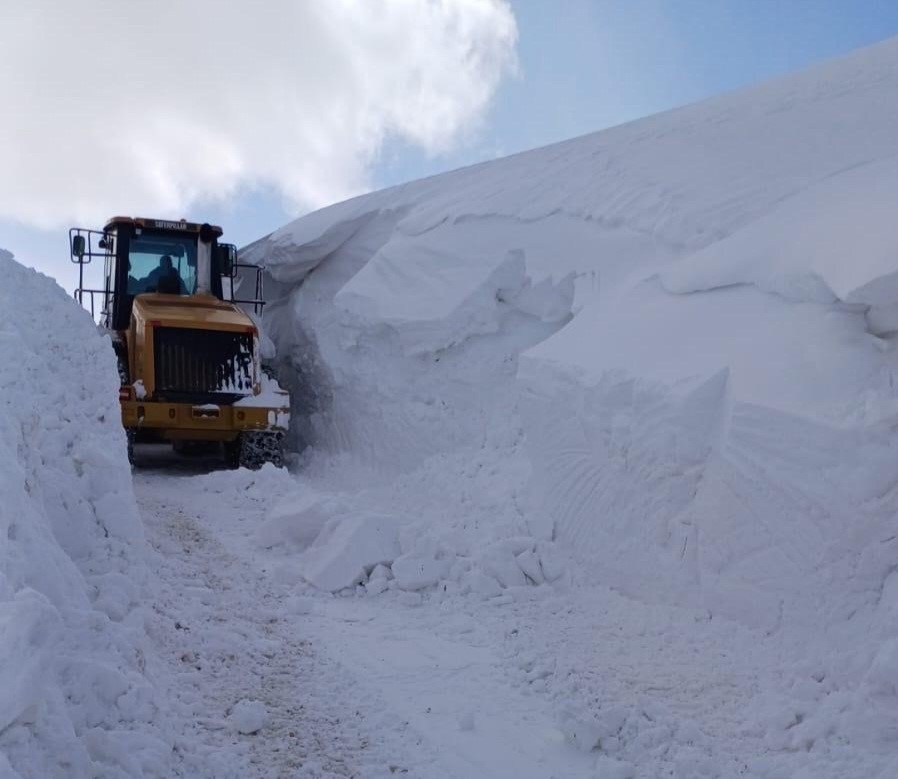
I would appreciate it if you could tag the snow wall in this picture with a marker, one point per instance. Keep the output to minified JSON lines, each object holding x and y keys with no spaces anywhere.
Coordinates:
{"x":74,"y":698}
{"x":667,"y":347}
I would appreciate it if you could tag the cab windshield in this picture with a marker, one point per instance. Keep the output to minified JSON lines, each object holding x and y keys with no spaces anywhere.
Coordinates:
{"x":162,"y":262}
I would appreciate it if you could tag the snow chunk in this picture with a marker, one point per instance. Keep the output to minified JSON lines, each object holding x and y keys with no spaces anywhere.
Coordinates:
{"x":415,"y":572}
{"x":528,"y":561}
{"x":500,"y":563}
{"x":248,"y":717}
{"x":347,"y":548}
{"x":297,"y":520}
{"x":551,"y":564}
{"x":480,"y":584}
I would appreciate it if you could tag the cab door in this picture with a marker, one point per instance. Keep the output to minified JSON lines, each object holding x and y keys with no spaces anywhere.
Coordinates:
{"x":109,"y":266}
{"x":118,"y":280}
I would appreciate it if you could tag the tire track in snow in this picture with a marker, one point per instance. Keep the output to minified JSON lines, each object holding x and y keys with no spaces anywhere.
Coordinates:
{"x":443,"y":676}
{"x":225,"y":633}
{"x":364,"y":688}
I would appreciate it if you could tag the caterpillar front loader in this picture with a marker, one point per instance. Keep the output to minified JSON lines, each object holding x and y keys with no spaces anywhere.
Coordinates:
{"x":188,"y":353}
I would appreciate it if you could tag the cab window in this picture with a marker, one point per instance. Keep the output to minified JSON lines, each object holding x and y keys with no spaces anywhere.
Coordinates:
{"x":162,"y":262}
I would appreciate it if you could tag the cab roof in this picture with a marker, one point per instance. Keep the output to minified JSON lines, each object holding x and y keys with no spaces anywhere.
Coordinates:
{"x":180,"y":225}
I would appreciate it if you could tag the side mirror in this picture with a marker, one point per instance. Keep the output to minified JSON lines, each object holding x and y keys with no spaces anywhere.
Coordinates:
{"x":78,"y":246}
{"x":227,"y":259}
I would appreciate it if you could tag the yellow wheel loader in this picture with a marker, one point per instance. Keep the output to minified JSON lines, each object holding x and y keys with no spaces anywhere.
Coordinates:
{"x":188,"y":351}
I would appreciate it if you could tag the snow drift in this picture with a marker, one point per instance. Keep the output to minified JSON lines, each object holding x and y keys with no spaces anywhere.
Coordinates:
{"x":666,"y":347}
{"x":74,"y":700}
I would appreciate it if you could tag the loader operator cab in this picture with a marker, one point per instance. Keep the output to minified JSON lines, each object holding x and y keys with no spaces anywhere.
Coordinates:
{"x":169,"y":258}
{"x":155,"y":256}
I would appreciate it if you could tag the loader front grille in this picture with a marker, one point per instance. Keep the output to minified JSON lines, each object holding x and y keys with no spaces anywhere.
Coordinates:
{"x":198,"y":365}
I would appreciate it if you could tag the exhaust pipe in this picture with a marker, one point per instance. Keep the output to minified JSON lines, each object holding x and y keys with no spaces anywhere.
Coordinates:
{"x":204,"y":260}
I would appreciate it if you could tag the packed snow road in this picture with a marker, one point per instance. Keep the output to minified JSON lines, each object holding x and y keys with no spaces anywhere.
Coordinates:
{"x":270,"y":677}
{"x":343,"y":687}
{"x":228,"y":634}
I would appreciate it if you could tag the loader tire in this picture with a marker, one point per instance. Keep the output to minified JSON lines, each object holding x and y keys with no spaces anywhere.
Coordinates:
{"x":194,"y":448}
{"x":253,"y":449}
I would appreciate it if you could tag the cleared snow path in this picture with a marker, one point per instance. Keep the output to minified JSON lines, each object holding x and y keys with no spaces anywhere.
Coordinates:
{"x":350,"y":687}
{"x":437,"y":673}
{"x":587,"y":682}
{"x":225,"y":631}
{"x":541,"y":682}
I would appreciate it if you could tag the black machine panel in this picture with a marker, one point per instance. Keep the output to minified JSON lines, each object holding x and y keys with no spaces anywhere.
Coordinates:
{"x":202,"y":365}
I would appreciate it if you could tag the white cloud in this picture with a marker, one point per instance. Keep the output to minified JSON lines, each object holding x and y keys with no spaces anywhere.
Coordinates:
{"x":115,"y":106}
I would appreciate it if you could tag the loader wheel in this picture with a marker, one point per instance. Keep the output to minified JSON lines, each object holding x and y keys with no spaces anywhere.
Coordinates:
{"x":194,"y":448}
{"x":232,"y":453}
{"x":253,"y":449}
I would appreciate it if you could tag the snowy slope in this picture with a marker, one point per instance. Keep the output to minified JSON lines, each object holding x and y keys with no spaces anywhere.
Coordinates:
{"x":74,"y":698}
{"x":665,"y":350}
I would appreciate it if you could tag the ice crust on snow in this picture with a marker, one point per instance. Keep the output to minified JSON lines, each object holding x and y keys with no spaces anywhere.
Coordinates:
{"x":75,"y":697}
{"x":662,"y":353}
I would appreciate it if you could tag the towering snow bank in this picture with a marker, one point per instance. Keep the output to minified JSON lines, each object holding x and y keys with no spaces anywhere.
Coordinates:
{"x":667,"y":348}
{"x":677,"y":329}
{"x":73,"y":697}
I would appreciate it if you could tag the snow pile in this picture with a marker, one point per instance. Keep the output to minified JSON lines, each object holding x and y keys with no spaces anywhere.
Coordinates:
{"x":417,"y":539}
{"x":249,"y":717}
{"x":74,"y":700}
{"x":665,"y":350}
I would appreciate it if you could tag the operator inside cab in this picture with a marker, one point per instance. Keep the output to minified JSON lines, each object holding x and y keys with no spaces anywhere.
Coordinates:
{"x":164,"y":278}
{"x":159,"y":262}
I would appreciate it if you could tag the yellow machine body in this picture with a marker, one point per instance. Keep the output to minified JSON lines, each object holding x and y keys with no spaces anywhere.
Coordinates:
{"x":189,"y":354}
{"x":192,"y":421}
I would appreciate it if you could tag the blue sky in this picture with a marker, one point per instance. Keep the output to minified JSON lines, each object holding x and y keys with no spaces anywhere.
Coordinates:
{"x":583,"y":65}
{"x":591,"y":64}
